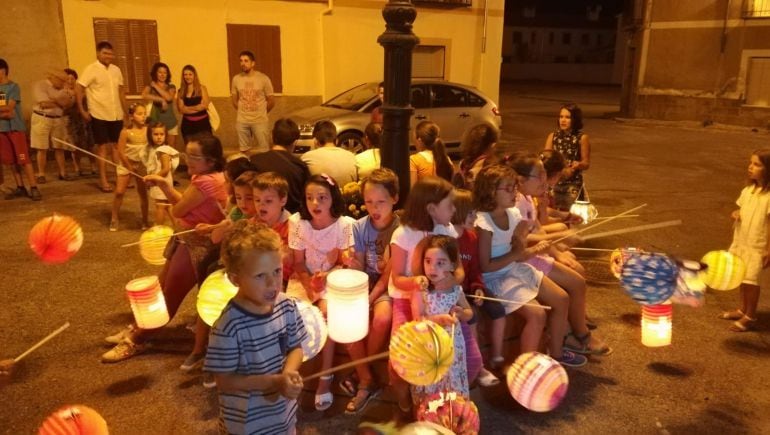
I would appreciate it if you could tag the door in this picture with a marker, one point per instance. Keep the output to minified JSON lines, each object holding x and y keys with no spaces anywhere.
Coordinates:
{"x":758,"y":82}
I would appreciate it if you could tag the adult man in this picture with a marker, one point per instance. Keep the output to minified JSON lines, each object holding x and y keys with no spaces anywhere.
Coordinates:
{"x":102,"y":83}
{"x":328,"y":158}
{"x":51,"y":97}
{"x":252,"y":95}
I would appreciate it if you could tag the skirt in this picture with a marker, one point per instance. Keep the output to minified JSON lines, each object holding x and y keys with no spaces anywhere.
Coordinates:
{"x":517,"y":283}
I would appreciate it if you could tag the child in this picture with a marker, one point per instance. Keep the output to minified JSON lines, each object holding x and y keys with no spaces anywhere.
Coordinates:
{"x":444,"y":303}
{"x":478,"y":148}
{"x":271,"y":193}
{"x":551,"y":219}
{"x":468,"y":244}
{"x":254,"y":348}
{"x":750,"y":239}
{"x":431,"y":158}
{"x":132,"y":153}
{"x":369,"y":160}
{"x":372,"y":235}
{"x":428,"y":210}
{"x":502,"y":251}
{"x":163,"y":160}
{"x":570,"y":140}
{"x":319,"y":235}
{"x":244,"y":205}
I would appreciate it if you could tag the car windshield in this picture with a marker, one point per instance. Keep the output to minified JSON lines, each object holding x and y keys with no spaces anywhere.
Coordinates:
{"x":355,"y":98}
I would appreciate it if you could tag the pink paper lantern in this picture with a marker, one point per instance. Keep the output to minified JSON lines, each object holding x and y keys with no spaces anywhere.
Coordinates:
{"x":147,"y":302}
{"x":538,"y":382}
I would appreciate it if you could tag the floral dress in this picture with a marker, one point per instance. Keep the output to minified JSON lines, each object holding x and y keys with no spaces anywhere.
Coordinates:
{"x":456,"y":379}
{"x":567,"y":190}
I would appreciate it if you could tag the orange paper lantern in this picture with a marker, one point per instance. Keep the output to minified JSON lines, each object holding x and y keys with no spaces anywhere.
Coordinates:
{"x":74,"y":420}
{"x":56,"y":239}
{"x":147,"y":302}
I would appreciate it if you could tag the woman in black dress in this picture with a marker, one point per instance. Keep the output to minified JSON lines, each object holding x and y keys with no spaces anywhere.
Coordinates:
{"x":193,"y":102}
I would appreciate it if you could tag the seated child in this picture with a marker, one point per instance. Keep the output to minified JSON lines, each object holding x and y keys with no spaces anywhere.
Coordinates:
{"x":271,"y":192}
{"x":244,"y":206}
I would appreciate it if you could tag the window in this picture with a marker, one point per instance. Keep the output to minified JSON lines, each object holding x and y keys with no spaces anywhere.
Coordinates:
{"x":264,"y":42}
{"x":758,"y":82}
{"x":566,"y":38}
{"x":475,"y":101}
{"x":449,"y":96}
{"x":756,"y":8}
{"x":419,"y":96}
{"x":135,"y":44}
{"x":428,"y":61}
{"x":585,"y":39}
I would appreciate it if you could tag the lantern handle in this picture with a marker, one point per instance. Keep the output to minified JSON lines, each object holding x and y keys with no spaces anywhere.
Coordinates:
{"x":584,"y":190}
{"x":376,"y":357}
{"x":610,"y":219}
{"x":42,"y":342}
{"x":507,"y":301}
{"x":157,"y":238}
{"x":98,"y":157}
{"x":634,"y":229}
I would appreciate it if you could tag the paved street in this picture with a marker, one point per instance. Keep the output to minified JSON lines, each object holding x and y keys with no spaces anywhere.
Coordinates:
{"x":708,"y":381}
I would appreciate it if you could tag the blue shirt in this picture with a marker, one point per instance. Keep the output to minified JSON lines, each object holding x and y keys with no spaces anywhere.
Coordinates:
{"x":11,"y":92}
{"x":374,"y":243}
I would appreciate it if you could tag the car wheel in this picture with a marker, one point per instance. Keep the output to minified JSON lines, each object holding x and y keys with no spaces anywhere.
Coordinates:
{"x":351,"y":141}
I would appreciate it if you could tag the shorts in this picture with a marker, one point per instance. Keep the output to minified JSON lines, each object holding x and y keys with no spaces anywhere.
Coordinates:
{"x":173,"y":131}
{"x":543,"y":263}
{"x":138,"y":168}
{"x":44,"y":129}
{"x":752,"y":259}
{"x":106,"y":131}
{"x":13,"y":148}
{"x":384,"y":297}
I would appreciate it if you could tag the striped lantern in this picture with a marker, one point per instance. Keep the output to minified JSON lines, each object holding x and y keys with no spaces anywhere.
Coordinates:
{"x":725,"y":271}
{"x":538,"y":382}
{"x":153,"y":243}
{"x":315,"y":329}
{"x":56,"y":239}
{"x":649,"y":278}
{"x":147,"y":302}
{"x":213,"y":296}
{"x":74,"y":420}
{"x":656,"y":325}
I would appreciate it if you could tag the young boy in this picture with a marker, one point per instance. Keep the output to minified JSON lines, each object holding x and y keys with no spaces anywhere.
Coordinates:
{"x":244,"y":206}
{"x":271,"y":192}
{"x":13,"y":139}
{"x":254,"y":348}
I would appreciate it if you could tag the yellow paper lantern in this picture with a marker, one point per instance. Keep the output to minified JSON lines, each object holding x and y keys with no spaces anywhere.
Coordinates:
{"x":153,"y":243}
{"x":585,"y":210}
{"x":74,"y":420}
{"x":421,"y":352}
{"x":656,"y":325}
{"x":147,"y":302}
{"x":538,"y":382}
{"x":725,"y":271}
{"x":315,"y":329}
{"x":214,"y":294}
{"x":347,"y":296}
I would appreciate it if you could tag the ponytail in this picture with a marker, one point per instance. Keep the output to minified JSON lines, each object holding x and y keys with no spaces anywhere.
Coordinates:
{"x":428,"y":133}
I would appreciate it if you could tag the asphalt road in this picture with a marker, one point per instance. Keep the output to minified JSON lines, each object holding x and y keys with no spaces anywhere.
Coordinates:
{"x":708,"y":381}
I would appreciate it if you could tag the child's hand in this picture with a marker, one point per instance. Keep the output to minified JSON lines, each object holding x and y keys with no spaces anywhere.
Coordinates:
{"x":573,"y":219}
{"x":567,"y":258}
{"x":421,"y":282}
{"x":6,"y":371}
{"x":478,"y":302}
{"x":318,"y":282}
{"x":290,"y":384}
{"x":204,"y":228}
{"x":572,"y":239}
{"x":541,"y":247}
{"x":457,"y":312}
{"x":154,"y":180}
{"x":443,"y":319}
{"x":736,"y":215}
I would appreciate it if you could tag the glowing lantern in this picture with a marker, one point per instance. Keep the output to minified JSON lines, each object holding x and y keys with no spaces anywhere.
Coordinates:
{"x":147,"y":302}
{"x":421,"y":352}
{"x":619,"y":257}
{"x":538,"y":382}
{"x":153,"y":243}
{"x":585,"y":210}
{"x":214,"y":294}
{"x":451,"y":411}
{"x":315,"y":329}
{"x":649,"y":278}
{"x":56,"y":239}
{"x":656,"y":325}
{"x":347,"y":295}
{"x":690,"y":289}
{"x":74,"y":420}
{"x":725,"y":271}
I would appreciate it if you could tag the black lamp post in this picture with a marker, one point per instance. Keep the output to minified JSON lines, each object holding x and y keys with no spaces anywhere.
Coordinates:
{"x":398,"y":42}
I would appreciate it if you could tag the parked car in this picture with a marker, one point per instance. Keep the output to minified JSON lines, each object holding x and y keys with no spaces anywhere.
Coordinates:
{"x":454,"y":107}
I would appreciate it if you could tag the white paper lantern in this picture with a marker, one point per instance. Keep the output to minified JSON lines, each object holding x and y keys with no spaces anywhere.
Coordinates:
{"x":147,"y":302}
{"x":585,"y":210}
{"x":347,"y":293}
{"x":315,"y":329}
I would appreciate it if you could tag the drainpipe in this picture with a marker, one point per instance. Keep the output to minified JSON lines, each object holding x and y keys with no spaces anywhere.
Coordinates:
{"x":328,"y":11}
{"x":484,"y":34}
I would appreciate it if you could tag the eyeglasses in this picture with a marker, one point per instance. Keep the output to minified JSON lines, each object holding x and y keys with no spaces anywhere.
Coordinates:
{"x":510,"y":188}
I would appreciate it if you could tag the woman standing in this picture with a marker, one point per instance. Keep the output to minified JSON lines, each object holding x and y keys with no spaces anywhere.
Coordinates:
{"x":192,"y":102}
{"x":570,"y":140}
{"x":162,"y":93}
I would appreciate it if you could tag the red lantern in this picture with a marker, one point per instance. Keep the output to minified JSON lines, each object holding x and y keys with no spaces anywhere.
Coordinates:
{"x":56,"y":239}
{"x":656,"y":325}
{"x":74,"y":420}
{"x":147,"y":302}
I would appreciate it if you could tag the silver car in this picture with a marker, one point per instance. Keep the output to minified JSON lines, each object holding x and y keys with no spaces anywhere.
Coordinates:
{"x":453,"y":107}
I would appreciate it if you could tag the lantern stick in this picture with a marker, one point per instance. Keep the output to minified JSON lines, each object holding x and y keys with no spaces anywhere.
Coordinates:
{"x":634,"y":229}
{"x":609,"y":219}
{"x":42,"y":342}
{"x":156,"y":238}
{"x":545,"y":307}
{"x":382,"y":355}
{"x":592,"y":249}
{"x":98,"y":157}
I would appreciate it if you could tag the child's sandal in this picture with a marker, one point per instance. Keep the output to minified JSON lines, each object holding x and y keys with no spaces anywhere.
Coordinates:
{"x":731,"y":315}
{"x":743,"y":324}
{"x":324,"y":401}
{"x":583,"y":346}
{"x":361,"y":399}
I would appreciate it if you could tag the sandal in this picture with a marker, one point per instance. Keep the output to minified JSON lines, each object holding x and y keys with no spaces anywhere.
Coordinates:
{"x":487,"y":378}
{"x":731,"y":315}
{"x":106,"y":189}
{"x":583,"y":346}
{"x":324,"y":401}
{"x":743,"y":324}
{"x":349,"y":385}
{"x":361,"y":399}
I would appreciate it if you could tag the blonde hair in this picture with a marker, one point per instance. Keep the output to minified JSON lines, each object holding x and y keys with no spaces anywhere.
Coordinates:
{"x":246,"y":237}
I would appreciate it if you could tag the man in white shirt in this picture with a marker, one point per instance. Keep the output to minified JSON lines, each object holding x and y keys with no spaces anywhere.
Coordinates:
{"x":102,"y":85}
{"x":252,"y":95}
{"x":328,"y":158}
{"x":51,"y":97}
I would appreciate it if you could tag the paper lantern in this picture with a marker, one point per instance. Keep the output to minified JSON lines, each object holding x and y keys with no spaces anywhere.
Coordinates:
{"x":538,"y":382}
{"x":690,"y":288}
{"x":649,"y":278}
{"x":213,"y":296}
{"x":656,"y":325}
{"x":347,"y":296}
{"x":450,"y":410}
{"x":56,"y":239}
{"x":153,"y":243}
{"x":315,"y":329}
{"x":147,"y":302}
{"x":74,"y":420}
{"x":619,"y":257}
{"x":725,"y":271}
{"x":585,"y":210}
{"x":421,"y":352}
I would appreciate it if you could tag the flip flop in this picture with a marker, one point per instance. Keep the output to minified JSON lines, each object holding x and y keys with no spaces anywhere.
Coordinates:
{"x":744,"y":324}
{"x":731,"y":315}
{"x":106,"y":189}
{"x":357,"y":403}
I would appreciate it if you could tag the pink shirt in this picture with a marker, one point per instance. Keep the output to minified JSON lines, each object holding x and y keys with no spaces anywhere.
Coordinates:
{"x":212,"y":186}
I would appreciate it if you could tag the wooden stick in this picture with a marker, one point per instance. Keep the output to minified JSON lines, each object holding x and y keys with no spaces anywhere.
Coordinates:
{"x":634,"y":229}
{"x":506,"y":301}
{"x":591,"y":249}
{"x":382,"y":355}
{"x":156,"y":238}
{"x":609,"y":219}
{"x":42,"y":342}
{"x":98,"y":157}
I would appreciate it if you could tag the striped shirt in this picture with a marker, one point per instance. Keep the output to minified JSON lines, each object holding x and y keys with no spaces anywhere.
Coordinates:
{"x":245,"y":343}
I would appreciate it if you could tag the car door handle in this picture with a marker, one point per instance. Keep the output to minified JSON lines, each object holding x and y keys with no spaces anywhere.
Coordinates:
{"x":464,"y":115}
{"x":420,"y":116}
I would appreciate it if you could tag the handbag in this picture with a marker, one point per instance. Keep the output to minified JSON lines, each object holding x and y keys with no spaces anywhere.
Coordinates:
{"x":213,"y":116}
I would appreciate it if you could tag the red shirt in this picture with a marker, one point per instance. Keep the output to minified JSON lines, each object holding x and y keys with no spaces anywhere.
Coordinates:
{"x":469,"y":255}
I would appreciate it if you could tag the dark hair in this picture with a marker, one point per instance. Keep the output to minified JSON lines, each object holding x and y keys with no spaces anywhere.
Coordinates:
{"x":211,"y":148}
{"x":445,"y":243}
{"x":246,"y":237}
{"x":428,"y":190}
{"x":428,"y":133}
{"x":4,"y":65}
{"x":486,"y":183}
{"x":246,"y":53}
{"x":71,"y":72}
{"x":575,"y":114}
{"x":522,"y":162}
{"x":152,"y":126}
{"x":154,"y":72}
{"x":463,"y":202}
{"x":553,"y":161}
{"x":373,"y":133}
{"x":338,"y":202}
{"x":477,"y":142}
{"x":285,"y":132}
{"x":763,"y":154}
{"x":271,"y":180}
{"x":196,"y":84}
{"x":101,"y":45}
{"x":245,"y":179}
{"x":133,"y":106}
{"x":233,"y":169}
{"x":324,"y":132}
{"x":386,"y":178}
